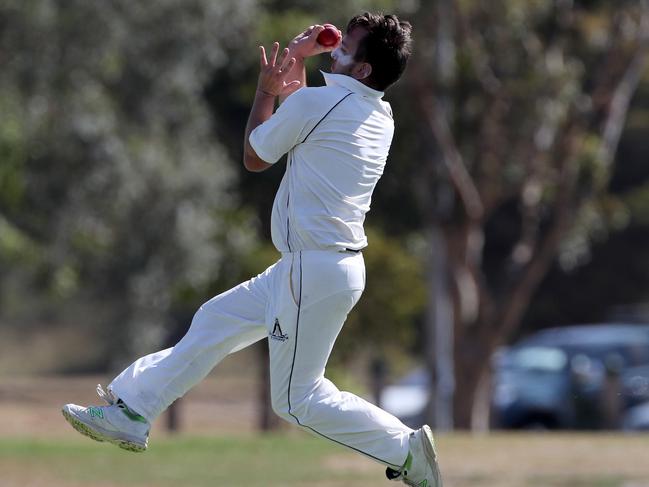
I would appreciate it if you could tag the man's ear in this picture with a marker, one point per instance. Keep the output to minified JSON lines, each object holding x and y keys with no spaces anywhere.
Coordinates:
{"x":362,"y":71}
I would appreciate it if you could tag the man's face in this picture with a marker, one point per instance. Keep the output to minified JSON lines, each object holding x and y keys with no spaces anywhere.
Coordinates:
{"x":343,"y":56}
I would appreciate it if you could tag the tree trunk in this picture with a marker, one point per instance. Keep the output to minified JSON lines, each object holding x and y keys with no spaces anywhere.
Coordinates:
{"x":471,"y":355}
{"x":268,"y":421}
{"x":438,"y":336}
{"x":174,"y":421}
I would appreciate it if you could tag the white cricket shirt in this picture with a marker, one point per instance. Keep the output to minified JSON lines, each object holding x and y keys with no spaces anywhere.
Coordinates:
{"x":333,"y":163}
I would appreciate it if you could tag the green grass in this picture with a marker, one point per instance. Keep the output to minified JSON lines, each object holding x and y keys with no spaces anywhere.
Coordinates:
{"x":259,"y":461}
{"x":297,"y":460}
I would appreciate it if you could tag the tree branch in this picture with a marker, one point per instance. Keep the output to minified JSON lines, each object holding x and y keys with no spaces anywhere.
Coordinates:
{"x":522,"y":289}
{"x":619,"y":104}
{"x":453,"y":160}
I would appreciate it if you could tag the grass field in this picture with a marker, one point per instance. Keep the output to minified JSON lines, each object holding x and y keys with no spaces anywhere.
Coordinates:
{"x":219,"y":447}
{"x":299,"y":460}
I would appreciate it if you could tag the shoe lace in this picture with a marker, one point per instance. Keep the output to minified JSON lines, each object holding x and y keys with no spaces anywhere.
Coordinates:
{"x":107,"y":396}
{"x":392,"y":474}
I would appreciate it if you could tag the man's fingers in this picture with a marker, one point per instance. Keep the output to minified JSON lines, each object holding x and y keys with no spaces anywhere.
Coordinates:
{"x":262,"y":54}
{"x":290,"y":87}
{"x":288,"y":65}
{"x":293,"y":85}
{"x":281,"y":64}
{"x":273,"y":54}
{"x":316,"y":31}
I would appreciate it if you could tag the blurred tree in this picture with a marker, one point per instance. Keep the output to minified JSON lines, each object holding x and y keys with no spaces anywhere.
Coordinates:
{"x":613,"y":276}
{"x":523,"y":103}
{"x":110,"y":177}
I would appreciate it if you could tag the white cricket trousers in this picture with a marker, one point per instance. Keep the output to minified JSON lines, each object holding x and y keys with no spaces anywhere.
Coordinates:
{"x":300,"y":303}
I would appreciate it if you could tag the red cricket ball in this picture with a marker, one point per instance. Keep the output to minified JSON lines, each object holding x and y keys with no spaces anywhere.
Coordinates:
{"x":329,"y":36}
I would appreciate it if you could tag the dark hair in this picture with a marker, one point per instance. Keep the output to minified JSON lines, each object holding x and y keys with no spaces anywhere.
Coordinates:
{"x":386,"y":47}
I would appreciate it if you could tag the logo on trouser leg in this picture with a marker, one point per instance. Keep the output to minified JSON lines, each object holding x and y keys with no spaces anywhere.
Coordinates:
{"x":277,"y":333}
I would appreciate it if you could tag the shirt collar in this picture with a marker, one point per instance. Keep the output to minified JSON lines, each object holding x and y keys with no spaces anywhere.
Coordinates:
{"x":351,"y":84}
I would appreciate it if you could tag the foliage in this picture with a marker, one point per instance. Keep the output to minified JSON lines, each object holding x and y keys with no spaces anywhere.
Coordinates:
{"x":612,"y":280}
{"x":109,"y":166}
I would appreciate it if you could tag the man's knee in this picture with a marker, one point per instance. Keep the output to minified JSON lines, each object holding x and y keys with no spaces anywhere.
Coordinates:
{"x":292,"y":410}
{"x":281,"y":408}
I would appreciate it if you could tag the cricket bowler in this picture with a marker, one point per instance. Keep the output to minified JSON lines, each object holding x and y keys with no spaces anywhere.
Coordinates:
{"x":337,"y":139}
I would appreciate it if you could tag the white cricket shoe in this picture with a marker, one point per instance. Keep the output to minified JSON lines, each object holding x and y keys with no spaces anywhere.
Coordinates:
{"x":115,"y":423}
{"x":421,"y":468}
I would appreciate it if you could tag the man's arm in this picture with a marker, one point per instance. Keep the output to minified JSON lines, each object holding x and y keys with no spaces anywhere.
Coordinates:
{"x":262,"y":109}
{"x":279,"y":78}
{"x":271,"y":83}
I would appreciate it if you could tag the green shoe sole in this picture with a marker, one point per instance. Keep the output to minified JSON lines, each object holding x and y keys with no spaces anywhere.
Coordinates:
{"x":102,"y":436}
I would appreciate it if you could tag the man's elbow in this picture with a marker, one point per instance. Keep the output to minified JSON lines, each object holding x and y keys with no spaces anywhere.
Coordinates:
{"x":253,"y":163}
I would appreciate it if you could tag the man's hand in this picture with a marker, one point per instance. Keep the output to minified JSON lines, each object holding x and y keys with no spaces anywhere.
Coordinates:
{"x":274,"y":72}
{"x":305,"y":45}
{"x":302,"y":46}
{"x":271,"y":84}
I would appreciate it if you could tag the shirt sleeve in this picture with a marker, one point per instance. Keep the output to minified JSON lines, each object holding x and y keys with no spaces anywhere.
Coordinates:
{"x":281,"y":132}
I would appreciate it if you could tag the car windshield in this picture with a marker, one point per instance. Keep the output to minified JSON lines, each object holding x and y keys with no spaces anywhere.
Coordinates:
{"x":537,"y":358}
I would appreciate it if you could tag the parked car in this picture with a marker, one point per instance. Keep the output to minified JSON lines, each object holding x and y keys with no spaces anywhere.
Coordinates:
{"x":575,"y":377}
{"x":408,"y":398}
{"x":635,"y":385}
{"x":637,"y":418}
{"x":570,"y":377}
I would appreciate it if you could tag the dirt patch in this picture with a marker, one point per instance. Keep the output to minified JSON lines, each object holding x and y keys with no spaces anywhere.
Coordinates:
{"x":516,"y":460}
{"x":350,"y":463}
{"x":31,"y":406}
